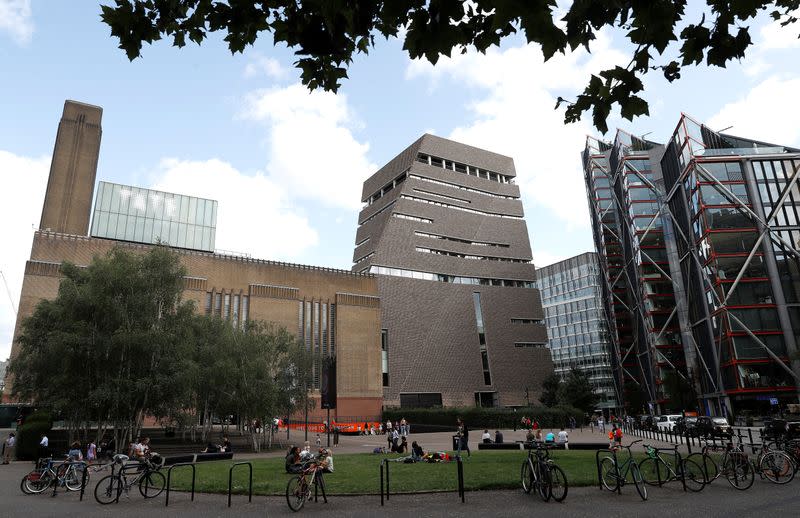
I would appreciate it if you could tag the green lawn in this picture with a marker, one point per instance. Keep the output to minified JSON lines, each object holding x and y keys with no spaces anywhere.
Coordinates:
{"x":359,"y":474}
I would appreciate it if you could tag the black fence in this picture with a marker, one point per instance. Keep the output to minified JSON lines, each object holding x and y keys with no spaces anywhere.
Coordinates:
{"x":746,"y":438}
{"x":386,"y":491}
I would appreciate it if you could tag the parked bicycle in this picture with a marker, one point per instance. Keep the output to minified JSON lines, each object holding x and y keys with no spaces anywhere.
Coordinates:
{"x":657,"y":469}
{"x":123,"y":477}
{"x":614,"y":475}
{"x":774,"y":465}
{"x":733,"y":464}
{"x":298,"y":489}
{"x":67,"y":473}
{"x":541,"y":473}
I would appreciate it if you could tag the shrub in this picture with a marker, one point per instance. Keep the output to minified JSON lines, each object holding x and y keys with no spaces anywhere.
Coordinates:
{"x":29,"y":434}
{"x":487,"y":418}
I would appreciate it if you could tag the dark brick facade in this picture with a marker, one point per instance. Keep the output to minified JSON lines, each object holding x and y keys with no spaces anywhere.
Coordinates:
{"x":432,"y":330}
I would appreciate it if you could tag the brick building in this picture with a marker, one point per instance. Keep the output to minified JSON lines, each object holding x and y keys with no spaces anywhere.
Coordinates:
{"x":332,"y":311}
{"x":462,"y":322}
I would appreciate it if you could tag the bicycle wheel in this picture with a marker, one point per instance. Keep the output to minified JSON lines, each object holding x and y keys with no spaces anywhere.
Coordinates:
{"x":40,"y":483}
{"x":558,"y":483}
{"x":297,"y":492}
{"x":739,"y":472}
{"x":527,"y":477}
{"x":108,"y":489}
{"x":152,"y":484}
{"x":544,"y":486}
{"x":73,"y":478}
{"x":693,"y":475}
{"x":638,"y":481}
{"x":608,"y":474}
{"x":654,"y":471}
{"x":777,"y":467}
{"x":22,"y":485}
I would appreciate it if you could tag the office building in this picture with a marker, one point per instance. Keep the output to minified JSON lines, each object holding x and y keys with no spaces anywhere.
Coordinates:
{"x":726,"y":287}
{"x":577,"y":327}
{"x":334,"y":312}
{"x":443,"y":227}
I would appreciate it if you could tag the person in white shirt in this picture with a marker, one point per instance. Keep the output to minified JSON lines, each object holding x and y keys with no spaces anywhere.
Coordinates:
{"x":486,"y":437}
{"x":8,"y":448}
{"x":44,"y":446}
{"x":563,"y":438}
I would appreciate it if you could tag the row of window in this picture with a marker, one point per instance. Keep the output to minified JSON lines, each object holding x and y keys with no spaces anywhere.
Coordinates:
{"x":380,"y":193}
{"x":442,"y":196}
{"x":427,"y":276}
{"x":459,"y":240}
{"x":316,"y":328}
{"x":411,"y":218}
{"x":537,"y":345}
{"x":458,"y":167}
{"x":457,"y":207}
{"x":388,"y":206}
{"x":228,"y":306}
{"x":462,"y":187}
{"x":365,"y":257}
{"x":526,"y":321}
{"x":473,"y":257}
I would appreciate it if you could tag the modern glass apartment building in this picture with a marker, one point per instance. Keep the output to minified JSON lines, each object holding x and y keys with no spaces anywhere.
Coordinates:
{"x":577,"y":326}
{"x":443,"y":227}
{"x":721,"y":295}
{"x":142,"y":215}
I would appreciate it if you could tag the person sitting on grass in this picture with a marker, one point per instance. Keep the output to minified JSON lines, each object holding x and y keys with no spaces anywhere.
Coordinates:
{"x":293,"y":464}
{"x":403,"y":447}
{"x":416,"y":451}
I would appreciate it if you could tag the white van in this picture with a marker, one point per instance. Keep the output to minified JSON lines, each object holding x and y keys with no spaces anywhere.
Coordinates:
{"x":665,"y":423}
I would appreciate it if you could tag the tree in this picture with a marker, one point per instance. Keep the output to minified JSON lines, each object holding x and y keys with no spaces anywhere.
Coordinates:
{"x":110,"y":348}
{"x":679,"y":391}
{"x":634,"y":397}
{"x":576,"y":391}
{"x":550,"y":390}
{"x":326,"y":34}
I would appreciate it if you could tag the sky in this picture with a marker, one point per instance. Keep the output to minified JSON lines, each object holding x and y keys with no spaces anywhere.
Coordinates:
{"x":287,"y":165}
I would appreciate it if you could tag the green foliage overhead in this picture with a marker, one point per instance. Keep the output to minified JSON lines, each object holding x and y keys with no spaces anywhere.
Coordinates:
{"x":326,"y":34}
{"x":576,"y":391}
{"x":29,"y":434}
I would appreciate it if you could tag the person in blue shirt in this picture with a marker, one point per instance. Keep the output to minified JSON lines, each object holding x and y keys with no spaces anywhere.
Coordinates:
{"x":550,"y":438}
{"x":75,"y":452}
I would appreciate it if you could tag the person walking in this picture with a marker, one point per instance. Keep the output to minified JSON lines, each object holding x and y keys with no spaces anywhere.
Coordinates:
{"x":9,"y":447}
{"x":44,"y":447}
{"x":91,"y":452}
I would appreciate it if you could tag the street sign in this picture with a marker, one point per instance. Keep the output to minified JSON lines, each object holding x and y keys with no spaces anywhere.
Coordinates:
{"x":773,"y":401}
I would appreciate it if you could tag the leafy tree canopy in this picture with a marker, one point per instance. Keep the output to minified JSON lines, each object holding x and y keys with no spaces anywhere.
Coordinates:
{"x":576,"y":391}
{"x":326,"y":34}
{"x":550,"y":388}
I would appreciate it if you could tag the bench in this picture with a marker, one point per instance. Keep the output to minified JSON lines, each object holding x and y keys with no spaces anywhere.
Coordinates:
{"x":500,"y":445}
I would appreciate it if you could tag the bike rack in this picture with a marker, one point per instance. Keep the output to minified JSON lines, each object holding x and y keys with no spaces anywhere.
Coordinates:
{"x":169,"y":477}
{"x":678,"y":462}
{"x":230,"y":480}
{"x":616,"y":467}
{"x":83,"y":481}
{"x":384,"y":465}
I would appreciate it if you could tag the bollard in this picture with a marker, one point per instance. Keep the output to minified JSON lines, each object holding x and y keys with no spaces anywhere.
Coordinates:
{"x":83,"y":481}
{"x":381,"y":466}
{"x":750,"y":433}
{"x":460,"y":467}
{"x":387,"y":481}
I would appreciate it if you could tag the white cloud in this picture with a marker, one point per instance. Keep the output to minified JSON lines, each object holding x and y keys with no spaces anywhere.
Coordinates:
{"x":267,"y":66}
{"x":24,"y":182}
{"x":254,"y":215}
{"x":772,"y":36}
{"x":768,"y":112}
{"x":513,"y":114}
{"x":16,"y":19}
{"x":313,"y":151}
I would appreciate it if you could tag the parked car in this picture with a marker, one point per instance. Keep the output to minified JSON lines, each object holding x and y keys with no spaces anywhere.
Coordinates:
{"x":666,"y":423}
{"x":684,"y":425}
{"x":712,"y":427}
{"x":646,"y":422}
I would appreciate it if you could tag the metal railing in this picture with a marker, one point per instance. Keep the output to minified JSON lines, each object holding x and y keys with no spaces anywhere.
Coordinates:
{"x":384,"y":474}
{"x":169,"y":477}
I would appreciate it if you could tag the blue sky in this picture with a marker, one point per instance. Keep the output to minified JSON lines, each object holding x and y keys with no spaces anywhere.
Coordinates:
{"x":287,"y":165}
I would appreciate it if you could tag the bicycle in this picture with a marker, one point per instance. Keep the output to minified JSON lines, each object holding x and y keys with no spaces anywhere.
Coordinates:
{"x":734,"y":465}
{"x":151,"y":481}
{"x":50,"y":473}
{"x":774,"y":465}
{"x":613,"y":475}
{"x":298,"y":489}
{"x":656,"y":469}
{"x":540,"y":472}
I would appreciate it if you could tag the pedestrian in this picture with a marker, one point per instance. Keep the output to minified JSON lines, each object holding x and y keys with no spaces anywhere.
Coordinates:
{"x":336,"y":436}
{"x":319,"y":441}
{"x":9,"y":446}
{"x":44,"y":447}
{"x":601,"y":424}
{"x":366,"y":428}
{"x":388,"y":426}
{"x":91,"y":452}
{"x":463,"y":438}
{"x":563,"y":439}
{"x":75,"y":453}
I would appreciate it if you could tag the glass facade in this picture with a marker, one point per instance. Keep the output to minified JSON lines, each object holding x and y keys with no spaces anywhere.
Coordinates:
{"x":146,"y":216}
{"x":576,"y":322}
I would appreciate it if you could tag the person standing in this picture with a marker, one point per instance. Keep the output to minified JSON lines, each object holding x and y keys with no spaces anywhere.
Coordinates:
{"x":463,"y":438}
{"x":9,"y":446}
{"x":44,"y":446}
{"x":601,"y":424}
{"x":91,"y":452}
{"x":389,"y":426}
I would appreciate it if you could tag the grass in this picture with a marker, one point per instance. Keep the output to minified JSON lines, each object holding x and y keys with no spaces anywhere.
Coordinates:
{"x":359,"y":474}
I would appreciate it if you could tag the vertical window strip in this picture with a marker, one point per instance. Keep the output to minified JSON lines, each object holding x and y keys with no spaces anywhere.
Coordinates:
{"x":324,"y":322}
{"x":235,"y":317}
{"x":487,"y":376}
{"x":333,"y":330}
{"x":317,"y":357}
{"x":217,"y":304}
{"x":226,"y":313}
{"x":209,"y":299}
{"x":245,"y":310}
